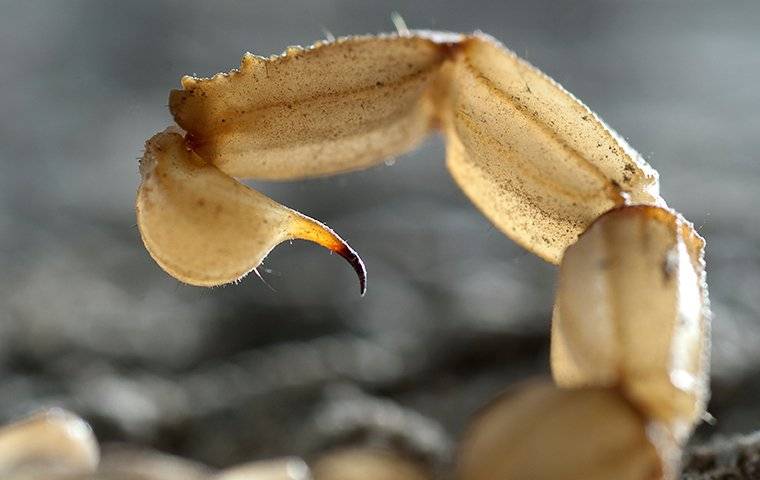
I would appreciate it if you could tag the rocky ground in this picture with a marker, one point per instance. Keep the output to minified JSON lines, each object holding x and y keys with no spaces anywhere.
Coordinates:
{"x":455,"y":311}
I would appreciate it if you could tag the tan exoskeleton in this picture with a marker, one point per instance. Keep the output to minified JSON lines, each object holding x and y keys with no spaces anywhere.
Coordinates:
{"x":630,"y":335}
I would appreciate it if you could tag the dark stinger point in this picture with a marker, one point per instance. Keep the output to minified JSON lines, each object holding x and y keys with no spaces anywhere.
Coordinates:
{"x":357,"y":264}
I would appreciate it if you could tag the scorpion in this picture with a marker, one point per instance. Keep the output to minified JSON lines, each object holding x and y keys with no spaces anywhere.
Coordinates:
{"x":631,"y":320}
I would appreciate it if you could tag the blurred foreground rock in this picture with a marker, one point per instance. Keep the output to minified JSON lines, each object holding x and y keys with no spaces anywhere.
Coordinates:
{"x":57,"y":445}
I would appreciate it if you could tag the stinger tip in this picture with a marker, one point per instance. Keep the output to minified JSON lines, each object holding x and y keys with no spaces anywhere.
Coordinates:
{"x":357,"y":264}
{"x":309,"y":229}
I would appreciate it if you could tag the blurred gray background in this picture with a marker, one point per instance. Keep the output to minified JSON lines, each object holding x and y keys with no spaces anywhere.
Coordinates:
{"x":454,"y":312}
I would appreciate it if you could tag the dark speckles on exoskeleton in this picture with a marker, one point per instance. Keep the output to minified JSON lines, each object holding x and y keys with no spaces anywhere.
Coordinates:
{"x":628,"y":172}
{"x":669,"y":265}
